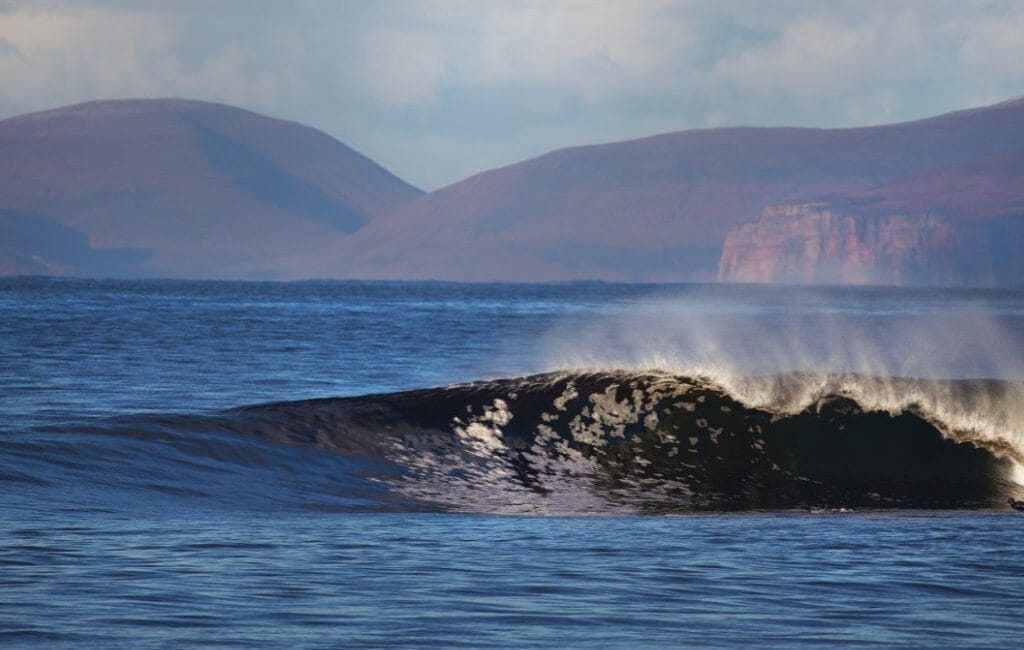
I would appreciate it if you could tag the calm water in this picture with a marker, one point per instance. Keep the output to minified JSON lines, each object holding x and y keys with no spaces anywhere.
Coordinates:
{"x":129,"y":520}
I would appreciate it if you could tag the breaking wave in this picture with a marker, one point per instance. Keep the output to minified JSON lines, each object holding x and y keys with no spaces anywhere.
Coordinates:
{"x":572,"y":442}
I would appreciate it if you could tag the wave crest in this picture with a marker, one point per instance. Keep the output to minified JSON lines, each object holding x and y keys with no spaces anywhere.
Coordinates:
{"x":619,"y":441}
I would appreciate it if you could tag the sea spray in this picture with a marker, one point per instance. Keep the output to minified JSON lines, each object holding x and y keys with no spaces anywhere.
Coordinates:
{"x":798,"y":348}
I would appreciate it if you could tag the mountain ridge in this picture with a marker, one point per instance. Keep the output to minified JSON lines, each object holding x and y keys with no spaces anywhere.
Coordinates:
{"x":652,"y":209}
{"x":657,"y":208}
{"x":204,"y":189}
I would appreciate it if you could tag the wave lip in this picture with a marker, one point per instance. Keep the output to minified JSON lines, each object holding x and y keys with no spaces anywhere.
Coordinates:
{"x":651,"y":442}
{"x":565,"y":443}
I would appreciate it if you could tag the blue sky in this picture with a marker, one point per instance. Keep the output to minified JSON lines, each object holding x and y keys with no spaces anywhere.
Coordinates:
{"x":438,"y":90}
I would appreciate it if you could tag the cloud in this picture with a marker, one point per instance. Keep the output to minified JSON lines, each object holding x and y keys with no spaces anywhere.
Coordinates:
{"x":437,"y":89}
{"x":402,"y":68}
{"x":596,"y":48}
{"x":995,"y":49}
{"x":812,"y":61}
{"x":82,"y":54}
{"x":873,"y":67}
{"x":7,"y":50}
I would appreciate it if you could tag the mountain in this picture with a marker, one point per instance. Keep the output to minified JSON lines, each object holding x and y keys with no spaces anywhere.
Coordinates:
{"x":661,"y":208}
{"x":178,"y":188}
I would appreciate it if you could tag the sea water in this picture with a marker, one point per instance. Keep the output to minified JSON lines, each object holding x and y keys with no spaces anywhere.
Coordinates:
{"x":167,"y":480}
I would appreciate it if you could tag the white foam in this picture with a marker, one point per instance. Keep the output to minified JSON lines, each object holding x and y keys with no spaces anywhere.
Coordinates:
{"x":783,"y":351}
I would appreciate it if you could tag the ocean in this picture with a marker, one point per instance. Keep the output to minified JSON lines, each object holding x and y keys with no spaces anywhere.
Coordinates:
{"x":368,"y":464}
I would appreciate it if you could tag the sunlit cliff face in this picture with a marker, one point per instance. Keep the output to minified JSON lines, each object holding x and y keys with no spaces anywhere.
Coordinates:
{"x":815,"y":243}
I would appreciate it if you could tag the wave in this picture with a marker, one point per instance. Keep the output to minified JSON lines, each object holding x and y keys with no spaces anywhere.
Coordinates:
{"x":572,"y":442}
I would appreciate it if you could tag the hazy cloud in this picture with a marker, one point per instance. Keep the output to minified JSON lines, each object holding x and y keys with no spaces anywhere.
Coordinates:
{"x":402,"y":68}
{"x":437,"y":90}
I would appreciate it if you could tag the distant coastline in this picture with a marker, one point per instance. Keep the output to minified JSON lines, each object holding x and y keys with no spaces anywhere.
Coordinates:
{"x":171,"y":188}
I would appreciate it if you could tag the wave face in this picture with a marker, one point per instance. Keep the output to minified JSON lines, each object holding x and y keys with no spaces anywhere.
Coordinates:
{"x":568,"y":443}
{"x":602,"y":442}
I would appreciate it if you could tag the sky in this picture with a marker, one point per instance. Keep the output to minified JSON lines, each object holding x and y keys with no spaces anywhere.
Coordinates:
{"x":437,"y":90}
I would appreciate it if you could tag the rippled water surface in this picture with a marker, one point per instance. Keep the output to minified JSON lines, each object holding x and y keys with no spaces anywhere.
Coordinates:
{"x":370,"y":580}
{"x":128,"y":520}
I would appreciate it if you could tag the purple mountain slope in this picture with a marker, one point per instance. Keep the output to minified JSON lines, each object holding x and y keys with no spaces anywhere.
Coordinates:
{"x":660,"y":208}
{"x":194,"y":189}
{"x":188,"y":189}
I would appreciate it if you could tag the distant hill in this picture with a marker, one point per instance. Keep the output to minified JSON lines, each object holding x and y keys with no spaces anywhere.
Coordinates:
{"x":177,"y":188}
{"x":660,"y":208}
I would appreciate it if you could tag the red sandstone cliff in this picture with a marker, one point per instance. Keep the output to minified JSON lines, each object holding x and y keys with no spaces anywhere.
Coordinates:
{"x":815,"y":243}
{"x":810,"y":243}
